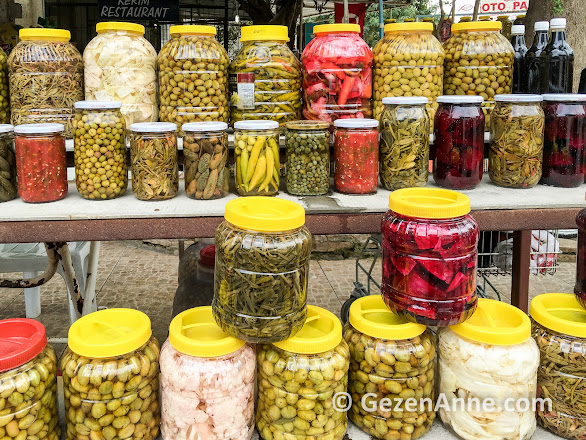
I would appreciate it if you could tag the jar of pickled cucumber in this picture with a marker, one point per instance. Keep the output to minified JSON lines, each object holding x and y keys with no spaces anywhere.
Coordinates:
{"x":4,"y":95}
{"x":262,"y":264}
{"x":390,"y":359}
{"x":297,"y":379}
{"x":8,"y":188}
{"x":28,"y":382}
{"x":111,"y":377}
{"x":265,"y":76}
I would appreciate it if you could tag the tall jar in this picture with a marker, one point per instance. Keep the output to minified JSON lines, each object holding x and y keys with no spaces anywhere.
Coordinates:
{"x":99,"y":140}
{"x":515,"y":156}
{"x":4,"y":90}
{"x":356,"y":156}
{"x":262,"y":263}
{"x":256,"y":152}
{"x":8,"y":188}
{"x":46,"y":77}
{"x":297,"y":379}
{"x":153,"y":157}
{"x":337,"y":74}
{"x":121,"y":65}
{"x":391,"y":360}
{"x":41,"y":162}
{"x":207,"y":381}
{"x":265,"y":76}
{"x":580,"y":286}
{"x":429,"y":249}
{"x":193,"y":76}
{"x":490,"y":362}
{"x":404,"y":142}
{"x":28,"y":382}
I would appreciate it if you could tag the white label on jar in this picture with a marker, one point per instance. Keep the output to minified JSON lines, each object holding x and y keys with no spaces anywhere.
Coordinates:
{"x":245,"y":90}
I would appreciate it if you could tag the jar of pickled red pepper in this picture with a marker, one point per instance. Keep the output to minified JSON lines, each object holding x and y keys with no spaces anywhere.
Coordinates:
{"x":41,"y":162}
{"x":459,"y":142}
{"x":429,"y":253}
{"x":580,"y":286}
{"x":8,"y":188}
{"x":356,"y":156}
{"x":337,"y":74}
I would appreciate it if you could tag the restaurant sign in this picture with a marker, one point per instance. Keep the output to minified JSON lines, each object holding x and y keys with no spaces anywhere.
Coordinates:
{"x":139,"y":10}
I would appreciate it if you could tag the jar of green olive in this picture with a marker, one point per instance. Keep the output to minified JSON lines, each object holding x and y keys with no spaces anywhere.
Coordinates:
{"x":4,"y":97}
{"x":99,"y":140}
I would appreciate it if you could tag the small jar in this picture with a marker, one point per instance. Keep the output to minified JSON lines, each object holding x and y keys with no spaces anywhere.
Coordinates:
{"x":515,"y":156}
{"x":41,"y":162}
{"x":8,"y":188}
{"x":356,"y":156}
{"x":99,"y":141}
{"x":28,"y":382}
{"x":404,"y":142}
{"x":205,"y":151}
{"x":256,"y":149}
{"x":153,"y":157}
{"x":429,"y":249}
{"x":459,"y":142}
{"x":580,"y":286}
{"x":390,"y":359}
{"x":507,"y":26}
{"x":297,"y":379}
{"x":207,"y":381}
{"x":308,"y":158}
{"x":262,"y":265}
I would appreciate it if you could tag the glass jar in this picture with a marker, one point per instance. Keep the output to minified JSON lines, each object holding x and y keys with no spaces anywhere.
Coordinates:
{"x":515,"y":156}
{"x":356,"y":156}
{"x":193,"y":76}
{"x":490,"y":362}
{"x":297,"y":379}
{"x":205,"y":150}
{"x":207,"y":381}
{"x":308,"y":158}
{"x":262,"y":262}
{"x":559,"y":328}
{"x":196,"y":278}
{"x":120,"y":65}
{"x":256,"y":152}
{"x":4,"y":95}
{"x":429,"y":249}
{"x":28,"y":382}
{"x":459,"y":142}
{"x":507,"y":26}
{"x":153,"y":157}
{"x":265,"y":76}
{"x":46,"y":77}
{"x":99,"y":140}
{"x":580,"y":286}
{"x":404,"y":143}
{"x":337,"y":74}
{"x":41,"y":162}
{"x":390,"y":359}
{"x":8,"y":188}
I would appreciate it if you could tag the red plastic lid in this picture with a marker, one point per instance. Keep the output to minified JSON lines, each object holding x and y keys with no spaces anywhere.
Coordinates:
{"x":207,"y":256}
{"x":21,"y":340}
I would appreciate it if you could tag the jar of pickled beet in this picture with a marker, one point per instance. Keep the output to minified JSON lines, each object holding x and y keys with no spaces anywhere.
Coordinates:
{"x":580,"y":287}
{"x":356,"y":156}
{"x":429,"y":256}
{"x":459,"y":142}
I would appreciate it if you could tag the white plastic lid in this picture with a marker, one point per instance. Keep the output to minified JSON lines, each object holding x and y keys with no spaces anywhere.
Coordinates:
{"x":405,"y":100}
{"x":204,"y":126}
{"x":356,"y":123}
{"x":39,"y":128}
{"x":256,"y":125}
{"x":564,"y":97}
{"x":97,"y":105}
{"x":153,"y":127}
{"x":518,"y":98}
{"x":541,"y":26}
{"x":558,"y":23}
{"x":6,"y":128}
{"x":518,"y":29}
{"x":459,"y":99}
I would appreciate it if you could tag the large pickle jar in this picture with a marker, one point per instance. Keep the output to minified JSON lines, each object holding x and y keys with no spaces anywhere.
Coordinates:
{"x":489,"y":363}
{"x":193,"y":76}
{"x":580,"y":286}
{"x":299,"y":379}
{"x":4,"y":94}
{"x":559,"y":328}
{"x":8,"y":188}
{"x":265,"y":77}
{"x":429,"y":249}
{"x":111,"y":377}
{"x":261,"y":272}
{"x":46,"y":77}
{"x":207,"y":381}
{"x":392,"y":362}
{"x":28,"y":382}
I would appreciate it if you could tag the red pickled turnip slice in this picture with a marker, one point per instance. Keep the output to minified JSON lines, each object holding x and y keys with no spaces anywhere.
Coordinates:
{"x":403,"y":264}
{"x":459,"y":280}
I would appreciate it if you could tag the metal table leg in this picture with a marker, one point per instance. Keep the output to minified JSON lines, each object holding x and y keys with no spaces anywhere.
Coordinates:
{"x":521,"y":269}
{"x":75,"y":298}
{"x":89,"y":296}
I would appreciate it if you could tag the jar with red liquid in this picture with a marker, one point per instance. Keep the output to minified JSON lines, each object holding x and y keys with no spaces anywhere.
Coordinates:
{"x":430,"y":247}
{"x":41,"y":162}
{"x":459,"y":142}
{"x":564,"y":144}
{"x":580,"y":287}
{"x":337,"y":74}
{"x":356,"y":156}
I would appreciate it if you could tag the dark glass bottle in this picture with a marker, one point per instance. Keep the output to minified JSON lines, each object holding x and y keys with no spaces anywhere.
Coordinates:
{"x":558,"y":58}
{"x":518,"y":42}
{"x":519,"y":20}
{"x":582,"y":86}
{"x":534,"y":64}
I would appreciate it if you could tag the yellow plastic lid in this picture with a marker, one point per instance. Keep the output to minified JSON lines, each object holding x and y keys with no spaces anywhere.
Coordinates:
{"x":195,"y":332}
{"x":264,"y":214}
{"x":29,"y":34}
{"x":192,"y":29}
{"x":321,"y":332}
{"x":409,"y":27}
{"x":477,"y":26}
{"x":502,"y":17}
{"x":336,"y":27}
{"x":496,"y":323}
{"x":109,"y":333}
{"x":429,"y":203}
{"x":560,"y":312}
{"x":119,"y":26}
{"x":265,"y":32}
{"x":370,"y":315}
